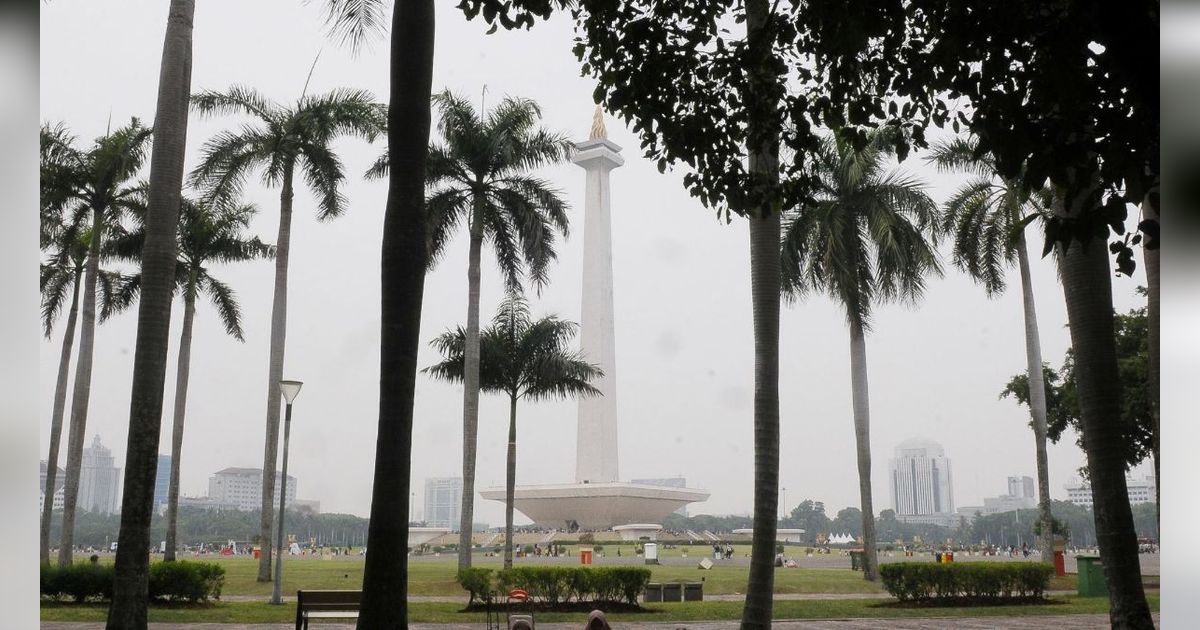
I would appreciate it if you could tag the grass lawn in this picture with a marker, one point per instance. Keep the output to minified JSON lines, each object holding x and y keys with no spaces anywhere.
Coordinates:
{"x":435,"y":577}
{"x":420,"y":612}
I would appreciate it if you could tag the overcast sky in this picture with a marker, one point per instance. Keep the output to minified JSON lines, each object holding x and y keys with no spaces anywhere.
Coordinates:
{"x":683,"y":319}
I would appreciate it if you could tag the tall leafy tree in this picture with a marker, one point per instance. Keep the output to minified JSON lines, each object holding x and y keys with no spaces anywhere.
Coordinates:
{"x":61,"y":279}
{"x":1056,"y":93}
{"x":131,"y":583}
{"x":96,"y":185}
{"x":478,"y":177}
{"x":209,"y":232}
{"x":522,"y":358}
{"x":283,"y":141}
{"x":868,"y":237}
{"x":986,"y":218}
{"x":1138,"y":439}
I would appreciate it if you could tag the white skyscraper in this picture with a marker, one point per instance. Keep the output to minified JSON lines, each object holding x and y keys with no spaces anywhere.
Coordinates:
{"x":242,"y":487}
{"x":443,"y":502}
{"x":99,"y":480}
{"x":59,"y":481}
{"x":922,"y":483}
{"x":596,"y":445}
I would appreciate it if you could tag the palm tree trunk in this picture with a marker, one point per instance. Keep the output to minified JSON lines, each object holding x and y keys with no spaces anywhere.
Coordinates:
{"x":862,"y":442}
{"x":1087,"y":287}
{"x":181,"y":387}
{"x":60,"y":404}
{"x":1037,"y":402}
{"x":1152,"y":337}
{"x":81,"y":392}
{"x":765,"y":281}
{"x":132,"y":567}
{"x":470,"y":391}
{"x":510,"y":482}
{"x":765,"y":285}
{"x":405,"y":254}
{"x":275,"y":374}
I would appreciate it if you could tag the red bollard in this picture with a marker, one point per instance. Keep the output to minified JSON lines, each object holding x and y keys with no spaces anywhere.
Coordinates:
{"x":1060,"y":564}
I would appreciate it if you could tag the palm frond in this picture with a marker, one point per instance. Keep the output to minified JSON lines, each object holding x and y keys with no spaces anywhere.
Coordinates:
{"x":355,"y":22}
{"x":227,"y":158}
{"x":323,"y":173}
{"x":238,"y":99}
{"x":379,"y":169}
{"x":445,"y":210}
{"x":961,"y":154}
{"x":500,"y":232}
{"x":225,"y":301}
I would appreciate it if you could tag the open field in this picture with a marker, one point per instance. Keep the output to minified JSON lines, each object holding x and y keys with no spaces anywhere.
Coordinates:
{"x":437,"y":612}
{"x":433,"y":576}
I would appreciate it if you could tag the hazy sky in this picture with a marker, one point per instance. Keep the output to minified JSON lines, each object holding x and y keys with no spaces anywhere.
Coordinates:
{"x":683,"y":326}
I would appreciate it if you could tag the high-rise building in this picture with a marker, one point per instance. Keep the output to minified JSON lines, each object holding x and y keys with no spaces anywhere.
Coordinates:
{"x":1022,"y":487}
{"x":162,"y":482}
{"x":922,"y":484}
{"x":443,"y":502}
{"x":243,"y":487}
{"x":1140,"y":491}
{"x":99,"y":480}
{"x":59,"y":482}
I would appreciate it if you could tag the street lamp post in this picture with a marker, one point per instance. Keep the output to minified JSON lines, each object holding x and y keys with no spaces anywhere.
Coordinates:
{"x":289,"y":389}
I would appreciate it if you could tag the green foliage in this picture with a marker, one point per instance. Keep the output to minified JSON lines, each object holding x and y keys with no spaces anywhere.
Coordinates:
{"x":809,"y":517}
{"x":990,"y":582}
{"x":77,"y":582}
{"x":555,"y":585}
{"x":1062,"y":401}
{"x":180,"y":581}
{"x":183,"y":581}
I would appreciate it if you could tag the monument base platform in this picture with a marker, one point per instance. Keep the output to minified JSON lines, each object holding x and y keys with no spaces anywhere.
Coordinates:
{"x":596,"y":506}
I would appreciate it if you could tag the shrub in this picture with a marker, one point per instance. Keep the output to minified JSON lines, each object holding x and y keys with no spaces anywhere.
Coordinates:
{"x":178,"y":581}
{"x":78,"y":582}
{"x":556,"y":585}
{"x":587,"y":538}
{"x":980,"y":581}
{"x":182,"y":581}
{"x":477,"y":582}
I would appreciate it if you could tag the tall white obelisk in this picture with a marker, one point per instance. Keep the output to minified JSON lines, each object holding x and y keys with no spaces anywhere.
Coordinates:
{"x":596,"y":444}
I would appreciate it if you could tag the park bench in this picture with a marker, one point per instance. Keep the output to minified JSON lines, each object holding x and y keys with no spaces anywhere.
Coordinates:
{"x":326,"y":605}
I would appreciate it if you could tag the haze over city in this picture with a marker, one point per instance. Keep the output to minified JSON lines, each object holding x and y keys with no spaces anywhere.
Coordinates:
{"x":683,"y":331}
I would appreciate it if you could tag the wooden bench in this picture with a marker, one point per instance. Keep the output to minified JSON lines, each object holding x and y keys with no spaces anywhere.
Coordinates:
{"x":326,"y":605}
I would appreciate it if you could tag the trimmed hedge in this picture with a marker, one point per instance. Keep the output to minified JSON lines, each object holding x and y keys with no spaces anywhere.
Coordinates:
{"x":182,"y":581}
{"x":555,"y":585}
{"x":178,"y":581}
{"x":978,"y":581}
{"x":78,"y":582}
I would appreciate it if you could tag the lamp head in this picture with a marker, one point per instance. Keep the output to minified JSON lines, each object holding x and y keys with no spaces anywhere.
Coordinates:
{"x":289,"y":389}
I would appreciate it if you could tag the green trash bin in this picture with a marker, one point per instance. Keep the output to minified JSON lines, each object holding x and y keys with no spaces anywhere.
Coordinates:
{"x":856,"y":560}
{"x":1091,"y":577}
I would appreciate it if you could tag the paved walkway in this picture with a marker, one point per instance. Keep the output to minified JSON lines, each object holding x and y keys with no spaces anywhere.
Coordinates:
{"x":1058,"y":622}
{"x":724,"y":597}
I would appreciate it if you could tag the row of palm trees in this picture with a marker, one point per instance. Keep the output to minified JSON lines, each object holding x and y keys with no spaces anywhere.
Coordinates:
{"x":871,"y":237}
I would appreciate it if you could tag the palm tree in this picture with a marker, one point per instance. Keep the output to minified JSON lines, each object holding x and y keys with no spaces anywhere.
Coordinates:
{"x":208,"y":232}
{"x":95,"y":181}
{"x":869,"y":237}
{"x":522,"y":358}
{"x":478,"y":177}
{"x":987,"y":217}
{"x":284,"y":139}
{"x":61,"y":275}
{"x":132,"y":564}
